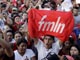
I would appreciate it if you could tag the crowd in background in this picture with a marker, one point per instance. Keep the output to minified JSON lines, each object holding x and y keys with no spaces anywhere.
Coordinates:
{"x":14,"y":22}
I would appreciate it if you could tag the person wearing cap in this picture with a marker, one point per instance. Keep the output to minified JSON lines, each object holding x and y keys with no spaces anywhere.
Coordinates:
{"x":14,"y":13}
{"x":14,"y":8}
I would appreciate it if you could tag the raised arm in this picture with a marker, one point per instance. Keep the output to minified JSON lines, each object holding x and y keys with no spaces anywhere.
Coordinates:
{"x":8,"y":50}
{"x":6,"y":46}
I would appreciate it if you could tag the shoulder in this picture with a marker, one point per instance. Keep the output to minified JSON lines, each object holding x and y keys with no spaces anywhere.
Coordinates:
{"x":30,"y":52}
{"x":39,"y":44}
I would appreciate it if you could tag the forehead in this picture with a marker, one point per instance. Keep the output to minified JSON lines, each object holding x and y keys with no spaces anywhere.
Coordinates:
{"x":73,"y":47}
{"x":23,"y":44}
{"x":17,"y":34}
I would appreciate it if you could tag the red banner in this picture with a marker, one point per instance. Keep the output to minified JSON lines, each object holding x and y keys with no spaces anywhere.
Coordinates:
{"x":56,"y":23}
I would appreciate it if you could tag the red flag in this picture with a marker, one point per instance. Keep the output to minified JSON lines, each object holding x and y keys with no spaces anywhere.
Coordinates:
{"x":56,"y":23}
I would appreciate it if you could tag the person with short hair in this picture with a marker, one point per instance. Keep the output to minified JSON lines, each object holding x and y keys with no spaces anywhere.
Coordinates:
{"x":47,"y":46}
{"x":22,"y":53}
{"x":9,"y":36}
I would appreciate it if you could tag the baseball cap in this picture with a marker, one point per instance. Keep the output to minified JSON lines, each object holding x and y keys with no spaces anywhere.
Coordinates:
{"x":14,"y":8}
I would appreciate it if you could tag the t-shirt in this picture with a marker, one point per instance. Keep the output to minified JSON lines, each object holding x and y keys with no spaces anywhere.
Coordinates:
{"x":66,"y":5}
{"x":42,"y":51}
{"x":2,"y":24}
{"x":27,"y":56}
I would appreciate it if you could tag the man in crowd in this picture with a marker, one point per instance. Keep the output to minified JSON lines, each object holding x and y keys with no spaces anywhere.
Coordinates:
{"x":47,"y":46}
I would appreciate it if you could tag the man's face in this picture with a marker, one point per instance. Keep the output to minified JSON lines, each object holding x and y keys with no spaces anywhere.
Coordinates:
{"x":48,"y":41}
{"x":9,"y":36}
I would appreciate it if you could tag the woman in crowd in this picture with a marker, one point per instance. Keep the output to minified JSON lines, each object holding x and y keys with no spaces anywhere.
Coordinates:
{"x":66,"y":46}
{"x":75,"y":52}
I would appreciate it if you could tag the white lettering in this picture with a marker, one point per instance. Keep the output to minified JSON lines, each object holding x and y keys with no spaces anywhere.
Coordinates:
{"x":56,"y":24}
{"x":42,"y":21}
{"x":51,"y":26}
{"x":60,"y":25}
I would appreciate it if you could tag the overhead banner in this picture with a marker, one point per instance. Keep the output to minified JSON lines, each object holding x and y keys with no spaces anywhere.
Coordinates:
{"x":46,"y":22}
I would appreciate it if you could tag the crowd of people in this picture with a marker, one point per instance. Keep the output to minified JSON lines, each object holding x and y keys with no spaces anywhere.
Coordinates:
{"x":15,"y":42}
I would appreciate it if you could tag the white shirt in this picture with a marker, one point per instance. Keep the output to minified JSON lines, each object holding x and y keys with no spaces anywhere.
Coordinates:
{"x":27,"y":56}
{"x":2,"y":24}
{"x":66,"y":5}
{"x":13,"y":41}
{"x":42,"y":51}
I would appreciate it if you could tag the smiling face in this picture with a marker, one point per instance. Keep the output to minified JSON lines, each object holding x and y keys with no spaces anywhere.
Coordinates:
{"x":17,"y":19}
{"x":22,"y":48}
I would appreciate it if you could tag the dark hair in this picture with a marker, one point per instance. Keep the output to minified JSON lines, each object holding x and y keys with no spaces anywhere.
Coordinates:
{"x":19,"y":33}
{"x":44,"y":2}
{"x":50,"y":36}
{"x":10,"y":31}
{"x":22,"y":40}
{"x":53,"y":5}
{"x":71,"y":40}
{"x":76,"y":47}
